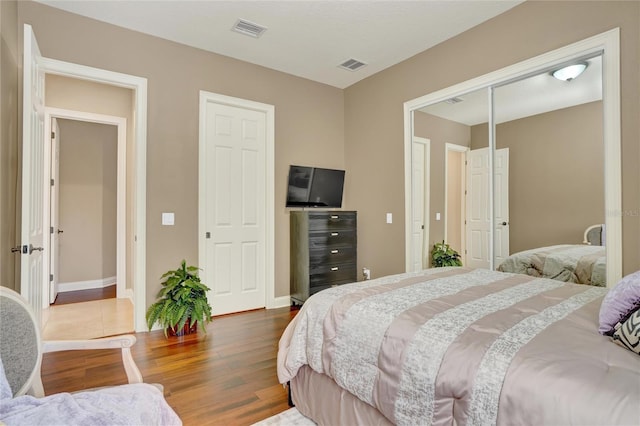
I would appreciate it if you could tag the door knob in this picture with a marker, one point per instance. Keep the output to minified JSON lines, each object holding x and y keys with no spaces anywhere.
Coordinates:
{"x":504,"y":223}
{"x":16,"y":249}
{"x":32,"y":248}
{"x":60,"y":231}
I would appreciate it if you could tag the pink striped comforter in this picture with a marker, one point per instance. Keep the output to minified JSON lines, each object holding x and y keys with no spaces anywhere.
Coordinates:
{"x":454,"y":345}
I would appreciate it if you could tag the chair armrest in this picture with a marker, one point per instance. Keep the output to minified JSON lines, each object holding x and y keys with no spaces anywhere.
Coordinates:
{"x":123,"y":342}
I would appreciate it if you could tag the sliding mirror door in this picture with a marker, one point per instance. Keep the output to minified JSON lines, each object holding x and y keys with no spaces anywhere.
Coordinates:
{"x":542,"y":164}
{"x":552,"y":132}
{"x":456,"y":207}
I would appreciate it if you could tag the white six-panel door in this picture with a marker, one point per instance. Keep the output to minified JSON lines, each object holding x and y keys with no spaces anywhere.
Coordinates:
{"x":420,"y":155}
{"x":32,"y":280}
{"x":235,"y":218}
{"x":478,"y":218}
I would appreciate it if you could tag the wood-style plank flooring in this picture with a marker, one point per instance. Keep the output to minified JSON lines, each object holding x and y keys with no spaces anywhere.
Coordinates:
{"x":224,"y":377}
{"x":78,"y":296}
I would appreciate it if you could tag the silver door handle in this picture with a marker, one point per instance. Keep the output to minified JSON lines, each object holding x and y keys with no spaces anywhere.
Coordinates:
{"x":60,"y":231}
{"x":32,"y":248}
{"x":16,"y":249}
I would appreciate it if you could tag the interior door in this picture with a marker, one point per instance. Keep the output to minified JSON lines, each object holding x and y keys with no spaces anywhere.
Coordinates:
{"x":54,"y":253}
{"x":478,"y":220}
{"x":32,"y":283}
{"x":478,"y":216}
{"x":420,"y":231}
{"x":501,"y":206}
{"x":235,"y":214}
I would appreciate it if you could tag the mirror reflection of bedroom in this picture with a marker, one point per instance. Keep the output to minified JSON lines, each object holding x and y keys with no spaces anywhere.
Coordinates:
{"x":548,"y":176}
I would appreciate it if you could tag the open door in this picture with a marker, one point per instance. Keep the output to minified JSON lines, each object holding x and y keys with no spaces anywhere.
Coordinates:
{"x":33,"y":181}
{"x":478,"y":220}
{"x":54,"y":214}
{"x":420,"y":193}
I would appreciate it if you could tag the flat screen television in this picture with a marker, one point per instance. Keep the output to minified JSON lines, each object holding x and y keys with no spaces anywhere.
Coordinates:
{"x":314,"y":187}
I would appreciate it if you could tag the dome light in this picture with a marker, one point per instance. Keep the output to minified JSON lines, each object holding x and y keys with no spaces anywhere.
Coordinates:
{"x":570,"y":72}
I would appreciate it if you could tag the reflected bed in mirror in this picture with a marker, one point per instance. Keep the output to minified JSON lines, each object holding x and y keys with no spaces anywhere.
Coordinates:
{"x":575,"y":263}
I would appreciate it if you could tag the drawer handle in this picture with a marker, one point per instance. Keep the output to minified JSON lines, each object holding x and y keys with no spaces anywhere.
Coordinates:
{"x":335,"y":216}
{"x":334,"y":234}
{"x":335,"y":268}
{"x":334,"y":251}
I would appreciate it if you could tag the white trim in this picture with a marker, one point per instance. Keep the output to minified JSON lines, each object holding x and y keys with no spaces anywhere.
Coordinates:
{"x":269,"y":110}
{"x":280,"y":302}
{"x":121,"y":209}
{"x":86,"y":285}
{"x":607,"y":42}
{"x":455,"y":148}
{"x":139,"y":87}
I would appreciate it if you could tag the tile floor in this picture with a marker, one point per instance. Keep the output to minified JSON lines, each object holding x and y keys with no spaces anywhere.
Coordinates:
{"x":89,"y":320}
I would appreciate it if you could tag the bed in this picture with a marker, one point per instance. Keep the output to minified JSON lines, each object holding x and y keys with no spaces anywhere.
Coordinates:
{"x":575,"y":263}
{"x":457,"y":346}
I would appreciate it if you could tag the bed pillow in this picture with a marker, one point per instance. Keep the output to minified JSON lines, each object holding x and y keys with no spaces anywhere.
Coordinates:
{"x":628,"y":333}
{"x":619,"y":303}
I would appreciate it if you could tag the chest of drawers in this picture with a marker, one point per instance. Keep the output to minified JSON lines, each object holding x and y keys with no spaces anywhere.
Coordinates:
{"x":323,"y":251}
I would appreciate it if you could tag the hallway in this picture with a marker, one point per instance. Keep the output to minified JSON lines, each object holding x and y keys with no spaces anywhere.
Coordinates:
{"x":89,"y":320}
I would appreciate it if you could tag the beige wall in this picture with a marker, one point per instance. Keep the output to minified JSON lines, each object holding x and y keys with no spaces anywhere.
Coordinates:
{"x":556,"y":174}
{"x":309,"y":125}
{"x":88,"y":189}
{"x":556,"y":181}
{"x":440,"y":132}
{"x":455,"y":199}
{"x":374,"y":111}
{"x":9,"y":156}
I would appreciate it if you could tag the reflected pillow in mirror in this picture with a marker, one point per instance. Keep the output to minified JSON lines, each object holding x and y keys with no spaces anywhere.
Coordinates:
{"x":628,"y":333}
{"x":619,"y":303}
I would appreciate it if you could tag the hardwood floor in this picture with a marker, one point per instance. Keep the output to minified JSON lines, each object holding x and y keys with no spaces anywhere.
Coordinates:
{"x":78,"y":296}
{"x":224,"y":377}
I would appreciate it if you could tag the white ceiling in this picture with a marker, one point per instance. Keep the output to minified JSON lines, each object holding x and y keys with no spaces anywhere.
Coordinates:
{"x":305,"y":38}
{"x":531,"y":96}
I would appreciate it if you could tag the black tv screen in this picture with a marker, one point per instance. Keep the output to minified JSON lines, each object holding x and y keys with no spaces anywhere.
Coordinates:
{"x":314,"y":187}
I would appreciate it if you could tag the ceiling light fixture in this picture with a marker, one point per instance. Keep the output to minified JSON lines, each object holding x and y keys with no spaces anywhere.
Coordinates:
{"x":570,"y":72}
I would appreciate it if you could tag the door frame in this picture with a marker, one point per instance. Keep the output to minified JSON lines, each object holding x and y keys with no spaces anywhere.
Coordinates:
{"x":139,"y":87}
{"x":607,"y":43}
{"x":121,"y":209}
{"x":451,"y":147}
{"x":269,"y":208}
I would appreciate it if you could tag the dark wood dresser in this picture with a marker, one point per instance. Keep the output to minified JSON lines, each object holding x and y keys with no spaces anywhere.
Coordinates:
{"x":323,"y":251}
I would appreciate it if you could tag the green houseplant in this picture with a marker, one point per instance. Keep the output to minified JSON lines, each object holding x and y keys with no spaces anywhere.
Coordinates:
{"x":182,"y":302}
{"x":443,"y":255}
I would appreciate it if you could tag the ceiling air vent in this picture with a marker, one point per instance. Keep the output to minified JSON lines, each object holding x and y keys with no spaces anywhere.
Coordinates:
{"x":452,"y":101}
{"x":248,"y":28}
{"x":352,"y":65}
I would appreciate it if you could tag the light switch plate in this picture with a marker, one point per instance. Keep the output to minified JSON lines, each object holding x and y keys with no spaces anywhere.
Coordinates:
{"x":389,"y":217}
{"x":168,"y":218}
{"x":437,"y":216}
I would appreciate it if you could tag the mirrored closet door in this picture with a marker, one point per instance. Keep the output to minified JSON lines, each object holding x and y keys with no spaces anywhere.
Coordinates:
{"x":517,"y":165}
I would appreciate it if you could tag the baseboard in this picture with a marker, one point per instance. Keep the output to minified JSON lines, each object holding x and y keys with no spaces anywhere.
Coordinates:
{"x":280,"y":302}
{"x":86,"y":285}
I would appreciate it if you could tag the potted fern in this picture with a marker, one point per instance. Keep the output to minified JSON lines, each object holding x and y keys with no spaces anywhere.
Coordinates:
{"x":182,"y":302}
{"x":443,"y":255}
